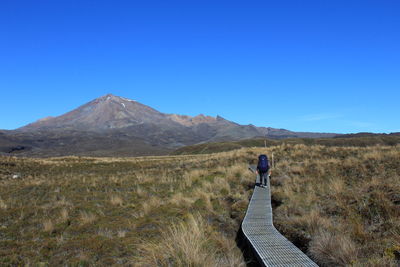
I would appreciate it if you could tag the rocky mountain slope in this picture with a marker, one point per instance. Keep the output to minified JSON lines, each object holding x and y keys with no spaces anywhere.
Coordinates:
{"x":113,"y":125}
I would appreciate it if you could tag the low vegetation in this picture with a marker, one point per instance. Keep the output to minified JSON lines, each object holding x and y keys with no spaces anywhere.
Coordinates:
{"x":340,"y":205}
{"x":180,"y":211}
{"x":355,"y":140}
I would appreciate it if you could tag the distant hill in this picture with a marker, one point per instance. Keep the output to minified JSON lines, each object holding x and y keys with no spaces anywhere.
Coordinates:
{"x":342,"y":141}
{"x":111,"y":125}
{"x":365,"y":134}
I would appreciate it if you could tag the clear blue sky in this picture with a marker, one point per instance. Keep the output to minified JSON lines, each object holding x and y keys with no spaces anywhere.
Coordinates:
{"x":326,"y":66}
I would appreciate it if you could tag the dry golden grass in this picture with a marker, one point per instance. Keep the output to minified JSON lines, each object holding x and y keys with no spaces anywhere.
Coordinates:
{"x":333,"y":249}
{"x":64,"y":215}
{"x":107,"y":233}
{"x":179,"y":199}
{"x":183,"y":244}
{"x":339,"y":204}
{"x":86,"y":217}
{"x":116,"y":200}
{"x":105,"y":211}
{"x":3,"y":204}
{"x":48,"y":226}
{"x":121,"y":233}
{"x":190,"y":243}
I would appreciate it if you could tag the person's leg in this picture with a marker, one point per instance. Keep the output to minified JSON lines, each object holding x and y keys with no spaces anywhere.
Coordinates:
{"x":262,"y":177}
{"x":265,"y":178}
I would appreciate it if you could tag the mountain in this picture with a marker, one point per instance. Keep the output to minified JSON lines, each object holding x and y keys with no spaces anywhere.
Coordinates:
{"x":104,"y":113}
{"x":117,"y":126}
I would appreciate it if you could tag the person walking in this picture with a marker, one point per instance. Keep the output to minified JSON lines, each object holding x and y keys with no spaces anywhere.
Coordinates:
{"x":263,"y":168}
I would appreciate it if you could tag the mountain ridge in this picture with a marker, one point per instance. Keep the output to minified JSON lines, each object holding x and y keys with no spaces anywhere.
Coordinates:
{"x":110,"y":123}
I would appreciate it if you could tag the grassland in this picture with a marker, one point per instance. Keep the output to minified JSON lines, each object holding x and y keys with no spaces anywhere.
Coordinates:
{"x":180,"y":211}
{"x":355,"y":140}
{"x":340,"y":205}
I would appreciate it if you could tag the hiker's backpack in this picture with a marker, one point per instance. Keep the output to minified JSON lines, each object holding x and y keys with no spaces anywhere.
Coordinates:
{"x":263,"y":163}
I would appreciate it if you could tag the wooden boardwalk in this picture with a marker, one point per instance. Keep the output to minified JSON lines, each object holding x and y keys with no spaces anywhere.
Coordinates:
{"x":270,"y":246}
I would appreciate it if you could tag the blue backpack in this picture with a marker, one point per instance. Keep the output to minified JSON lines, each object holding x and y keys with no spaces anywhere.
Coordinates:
{"x":262,"y":165}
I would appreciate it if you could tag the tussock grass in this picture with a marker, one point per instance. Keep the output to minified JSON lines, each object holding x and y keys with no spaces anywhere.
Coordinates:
{"x":64,"y":215}
{"x":118,"y":211}
{"x":192,"y":243}
{"x":48,"y":226}
{"x":86,"y":217}
{"x":338,"y":204}
{"x":340,"y":141}
{"x":3,"y":204}
{"x":333,"y":249}
{"x":121,"y":233}
{"x":183,"y":244}
{"x":116,"y":200}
